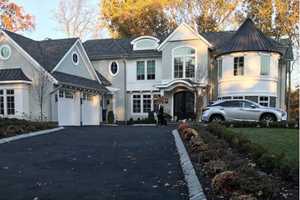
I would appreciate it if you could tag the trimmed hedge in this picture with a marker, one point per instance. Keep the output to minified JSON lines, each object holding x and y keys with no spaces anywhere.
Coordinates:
{"x":269,"y":162}
{"x":245,"y":124}
{"x":12,"y":127}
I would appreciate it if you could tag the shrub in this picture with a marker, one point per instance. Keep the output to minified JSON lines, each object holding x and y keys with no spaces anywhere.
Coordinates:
{"x":225,"y":182}
{"x":182,"y":125}
{"x":189,"y":133}
{"x":214,"y":167}
{"x":198,"y":146}
{"x":110,"y":117}
{"x":239,"y":196}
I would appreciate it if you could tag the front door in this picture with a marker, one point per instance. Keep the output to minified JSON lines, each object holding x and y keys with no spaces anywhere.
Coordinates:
{"x":184,"y":104}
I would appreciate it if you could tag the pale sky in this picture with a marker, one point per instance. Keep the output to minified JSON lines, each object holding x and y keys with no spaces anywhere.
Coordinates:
{"x":45,"y":25}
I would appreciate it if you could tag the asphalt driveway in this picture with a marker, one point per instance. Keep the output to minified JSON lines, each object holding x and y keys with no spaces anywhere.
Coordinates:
{"x":134,"y":163}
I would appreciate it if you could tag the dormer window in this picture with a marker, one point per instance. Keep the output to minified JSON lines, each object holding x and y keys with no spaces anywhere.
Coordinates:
{"x":75,"y":58}
{"x":184,"y":59}
{"x":145,"y":43}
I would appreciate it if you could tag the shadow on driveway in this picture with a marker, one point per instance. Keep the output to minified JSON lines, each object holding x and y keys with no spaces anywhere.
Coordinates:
{"x":134,"y":163}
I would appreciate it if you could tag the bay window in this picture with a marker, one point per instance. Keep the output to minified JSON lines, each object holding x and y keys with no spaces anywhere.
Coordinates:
{"x":184,"y":62}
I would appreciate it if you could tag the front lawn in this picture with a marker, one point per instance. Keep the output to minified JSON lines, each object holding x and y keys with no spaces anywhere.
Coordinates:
{"x":275,"y":140}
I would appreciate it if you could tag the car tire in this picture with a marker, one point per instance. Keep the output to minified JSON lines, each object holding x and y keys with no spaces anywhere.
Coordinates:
{"x":216,"y":118}
{"x":268,"y":118}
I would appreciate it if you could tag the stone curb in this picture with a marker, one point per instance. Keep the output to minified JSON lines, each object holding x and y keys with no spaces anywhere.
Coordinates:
{"x":27,"y":135}
{"x":194,"y":186}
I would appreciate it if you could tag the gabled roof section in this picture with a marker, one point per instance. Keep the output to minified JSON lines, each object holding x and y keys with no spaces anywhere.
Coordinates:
{"x":249,"y":38}
{"x":186,"y":27}
{"x":46,"y":52}
{"x":103,"y":80}
{"x":116,"y":49}
{"x":13,"y":74}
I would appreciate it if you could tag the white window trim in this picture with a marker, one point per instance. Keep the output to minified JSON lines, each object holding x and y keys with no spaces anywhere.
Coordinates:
{"x":184,"y":66}
{"x":9,"y":50}
{"x":109,"y":68}
{"x":75,"y":53}
{"x":4,"y":95}
{"x":267,"y":101}
{"x":140,"y":39}
{"x":146,"y":69}
{"x":270,"y":57}
{"x":142,"y":103}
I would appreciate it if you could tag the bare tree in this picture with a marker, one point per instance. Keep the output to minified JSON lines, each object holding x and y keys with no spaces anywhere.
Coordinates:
{"x":77,"y":18}
{"x":42,"y":87}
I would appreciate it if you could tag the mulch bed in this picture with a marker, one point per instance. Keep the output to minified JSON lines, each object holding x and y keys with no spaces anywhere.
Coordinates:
{"x":226,"y":173}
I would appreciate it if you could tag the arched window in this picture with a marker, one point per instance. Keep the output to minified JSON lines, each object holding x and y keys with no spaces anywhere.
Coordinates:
{"x":184,"y":62}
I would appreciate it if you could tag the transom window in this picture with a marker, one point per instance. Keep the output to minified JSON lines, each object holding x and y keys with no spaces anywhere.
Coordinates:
{"x":238,"y":68}
{"x":75,"y":58}
{"x":5,"y":52}
{"x":184,"y":62}
{"x":114,"y":68}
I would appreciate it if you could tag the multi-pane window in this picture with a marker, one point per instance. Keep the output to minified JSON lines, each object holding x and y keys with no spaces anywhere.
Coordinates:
{"x":190,"y":67}
{"x":10,"y":102}
{"x":238,"y":68}
{"x":151,"y":69}
{"x":61,"y":93}
{"x":178,"y":68}
{"x":264,"y":100}
{"x":184,"y":62}
{"x":265,"y":64}
{"x":146,"y":103}
{"x":219,"y":64}
{"x":69,"y":94}
{"x":1,"y":102}
{"x":238,"y":97}
{"x":136,"y":103}
{"x":140,"y":70}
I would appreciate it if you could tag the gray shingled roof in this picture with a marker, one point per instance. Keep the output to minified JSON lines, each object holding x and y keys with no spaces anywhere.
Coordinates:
{"x":76,"y":81}
{"x":46,"y":52}
{"x":14,"y":74}
{"x":249,"y":38}
{"x":103,"y":80}
{"x":116,"y":49}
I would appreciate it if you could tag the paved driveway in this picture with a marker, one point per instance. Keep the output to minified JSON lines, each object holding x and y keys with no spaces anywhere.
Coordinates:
{"x":93,"y":163}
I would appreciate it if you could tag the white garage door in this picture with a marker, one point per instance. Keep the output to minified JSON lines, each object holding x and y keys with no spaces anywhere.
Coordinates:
{"x":90,"y":110}
{"x":69,"y":109}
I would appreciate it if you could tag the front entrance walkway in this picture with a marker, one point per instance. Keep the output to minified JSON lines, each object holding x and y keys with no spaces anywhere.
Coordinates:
{"x":93,"y":163}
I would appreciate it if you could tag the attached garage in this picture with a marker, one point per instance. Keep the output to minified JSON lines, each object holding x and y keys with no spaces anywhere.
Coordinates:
{"x":78,"y":100}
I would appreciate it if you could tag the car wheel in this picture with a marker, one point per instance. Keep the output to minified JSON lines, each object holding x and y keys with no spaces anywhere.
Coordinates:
{"x":216,"y":118}
{"x":268,"y":118}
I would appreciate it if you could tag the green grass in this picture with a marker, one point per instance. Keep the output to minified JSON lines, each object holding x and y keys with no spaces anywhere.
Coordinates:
{"x":275,"y":140}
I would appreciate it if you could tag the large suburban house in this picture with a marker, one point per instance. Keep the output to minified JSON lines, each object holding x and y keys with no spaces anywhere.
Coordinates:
{"x":128,"y":76}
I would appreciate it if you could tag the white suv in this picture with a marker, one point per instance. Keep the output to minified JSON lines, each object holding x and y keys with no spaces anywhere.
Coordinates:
{"x":241,"y":110}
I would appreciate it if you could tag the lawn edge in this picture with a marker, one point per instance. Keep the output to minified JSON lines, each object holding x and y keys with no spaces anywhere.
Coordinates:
{"x":30,"y":134}
{"x":193,"y":184}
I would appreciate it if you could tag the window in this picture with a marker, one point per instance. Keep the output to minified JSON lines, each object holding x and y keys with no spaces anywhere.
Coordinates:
{"x":238,"y":66}
{"x":136,"y":103}
{"x":151,"y":69}
{"x":75,"y":58}
{"x":5,"y":52}
{"x":252,"y":98}
{"x":114,"y":68}
{"x":146,"y":103}
{"x":69,"y":94}
{"x":238,"y":97}
{"x":219,"y":66}
{"x":227,"y":97}
{"x":264,"y":64}
{"x":273,"y":102}
{"x":1,"y":102}
{"x":249,"y":105}
{"x":140,"y":70}
{"x":184,"y":62}
{"x":234,"y":104}
{"x":264,"y":101}
{"x":10,"y":101}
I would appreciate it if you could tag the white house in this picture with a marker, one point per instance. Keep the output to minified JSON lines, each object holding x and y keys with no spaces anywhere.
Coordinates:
{"x":127,"y":76}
